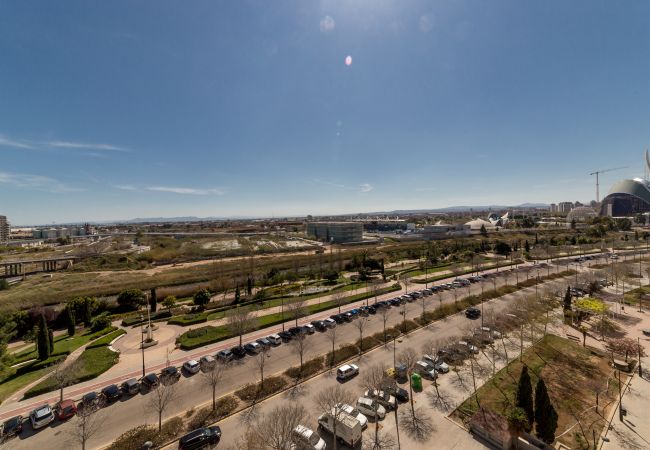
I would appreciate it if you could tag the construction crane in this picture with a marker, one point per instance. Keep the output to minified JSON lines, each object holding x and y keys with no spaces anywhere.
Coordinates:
{"x":598,"y":172}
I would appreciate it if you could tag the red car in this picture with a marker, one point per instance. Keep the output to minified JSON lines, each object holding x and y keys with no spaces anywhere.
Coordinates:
{"x":66,"y":409}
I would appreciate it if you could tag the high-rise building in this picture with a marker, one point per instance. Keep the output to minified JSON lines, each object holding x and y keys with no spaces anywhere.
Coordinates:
{"x":4,"y":229}
{"x":564,"y":207}
{"x":553,"y":208}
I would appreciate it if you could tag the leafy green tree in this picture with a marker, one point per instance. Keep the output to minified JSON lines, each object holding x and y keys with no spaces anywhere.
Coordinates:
{"x":131,"y":299}
{"x":545,"y":414}
{"x":100,"y":322}
{"x":7,"y":330}
{"x":70,"y":321}
{"x":567,"y":299}
{"x":484,"y":232}
{"x":517,"y":419}
{"x":237,"y":295}
{"x":87,"y":311}
{"x":43,"y":340}
{"x":169,"y":302}
{"x":524,"y":397}
{"x":4,"y":285}
{"x":202,"y":297}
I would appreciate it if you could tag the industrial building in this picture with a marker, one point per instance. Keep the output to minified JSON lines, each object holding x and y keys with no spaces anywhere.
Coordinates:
{"x":54,"y":233}
{"x":335,"y":232}
{"x":581,"y":214}
{"x":4,"y":229}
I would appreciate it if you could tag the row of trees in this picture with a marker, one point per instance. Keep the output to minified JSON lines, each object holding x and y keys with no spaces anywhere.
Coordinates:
{"x":541,"y":412}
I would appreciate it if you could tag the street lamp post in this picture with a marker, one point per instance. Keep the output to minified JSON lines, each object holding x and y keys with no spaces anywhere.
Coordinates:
{"x":394,"y":357}
{"x":142,"y":342}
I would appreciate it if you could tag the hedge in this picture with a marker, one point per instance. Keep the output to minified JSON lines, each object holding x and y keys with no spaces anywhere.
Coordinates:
{"x":206,"y":416}
{"x":135,"y":320}
{"x":309,"y":368}
{"x":37,"y":365}
{"x":133,"y":439}
{"x":406,"y":326}
{"x":343,"y":353}
{"x":255,"y":391}
{"x":202,"y":336}
{"x":188,"y":319}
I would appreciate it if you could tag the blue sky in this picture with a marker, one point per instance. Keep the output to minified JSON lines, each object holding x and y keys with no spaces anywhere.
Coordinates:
{"x":122,"y":109}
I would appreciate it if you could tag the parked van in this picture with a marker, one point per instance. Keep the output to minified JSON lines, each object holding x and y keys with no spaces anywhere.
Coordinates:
{"x":348,"y":428}
{"x":347,"y":371}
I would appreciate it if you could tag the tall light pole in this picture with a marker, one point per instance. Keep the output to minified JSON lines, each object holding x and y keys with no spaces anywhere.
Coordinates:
{"x":142,"y":342}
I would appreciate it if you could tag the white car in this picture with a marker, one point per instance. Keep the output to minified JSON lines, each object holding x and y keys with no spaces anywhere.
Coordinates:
{"x":309,"y":328}
{"x":383,"y":397}
{"x":471,"y":348}
{"x":438,"y":364}
{"x":41,"y":416}
{"x":207,"y":362}
{"x":191,"y":366}
{"x":306,"y":438}
{"x":275,"y":339}
{"x":368,"y":406}
{"x":425,"y":369}
{"x":354,"y":412}
{"x":329,"y":323}
{"x":347,"y":371}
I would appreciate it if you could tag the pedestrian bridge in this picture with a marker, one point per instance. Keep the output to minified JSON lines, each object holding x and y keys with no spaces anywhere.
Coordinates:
{"x":9,"y":269}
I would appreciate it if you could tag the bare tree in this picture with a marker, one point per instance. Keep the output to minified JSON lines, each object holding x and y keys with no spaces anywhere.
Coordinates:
{"x":87,"y":423}
{"x":360,"y":325}
{"x":297,"y":310}
{"x":338,"y":298}
{"x":409,"y":358}
{"x":299,"y":346}
{"x":330,"y":400}
{"x":383,"y":313}
{"x":375,"y":287}
{"x":374,"y":378}
{"x":212,"y":377}
{"x":160,"y":397}
{"x":406,"y":279}
{"x":239,"y":321}
{"x":331,"y":336}
{"x":260,"y":362}
{"x":274,"y":431}
{"x":63,"y":375}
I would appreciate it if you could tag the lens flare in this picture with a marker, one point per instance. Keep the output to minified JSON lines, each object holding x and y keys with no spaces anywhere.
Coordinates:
{"x":348,"y":60}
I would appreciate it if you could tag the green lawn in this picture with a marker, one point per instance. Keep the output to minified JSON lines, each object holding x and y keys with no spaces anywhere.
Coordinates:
{"x":92,"y":363}
{"x":107,"y":339}
{"x":12,"y":384}
{"x":63,"y":345}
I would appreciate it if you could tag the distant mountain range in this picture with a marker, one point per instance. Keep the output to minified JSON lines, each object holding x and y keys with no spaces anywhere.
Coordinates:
{"x":449,"y":209}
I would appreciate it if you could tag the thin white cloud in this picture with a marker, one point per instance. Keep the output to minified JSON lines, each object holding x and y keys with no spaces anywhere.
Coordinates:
{"x":35,"y":182}
{"x":85,"y":146}
{"x":425,"y":24}
{"x":7,"y":142}
{"x":327,"y":24}
{"x":125,"y":187}
{"x":184,"y":190}
{"x":328,"y":183}
{"x":366,"y":187}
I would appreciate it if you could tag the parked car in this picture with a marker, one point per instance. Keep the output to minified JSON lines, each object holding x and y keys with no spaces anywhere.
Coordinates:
{"x":319,"y":325}
{"x":41,"y":417}
{"x":347,"y":371}
{"x":91,"y":399}
{"x":12,"y":427}
{"x":207,"y":362}
{"x":238,"y":351}
{"x":150,"y":381}
{"x":295,"y":331}
{"x":111,"y":393}
{"x":425,"y":370}
{"x":370,"y":408}
{"x":170,"y":374}
{"x":224,"y":356}
{"x":372,"y":309}
{"x":275,"y":339}
{"x":191,"y":366}
{"x":349,"y":316}
{"x":401,"y":394}
{"x":285,"y":336}
{"x":354,"y":412}
{"x":338,"y":318}
{"x":309,"y":328}
{"x":65,"y":409}
{"x":471,"y":348}
{"x":130,"y":387}
{"x":437,"y":363}
{"x":306,"y":438}
{"x":264,"y":342}
{"x":200,"y":438}
{"x":329,"y":323}
{"x":253,"y":348}
{"x":383,"y":397}
{"x":472,"y":313}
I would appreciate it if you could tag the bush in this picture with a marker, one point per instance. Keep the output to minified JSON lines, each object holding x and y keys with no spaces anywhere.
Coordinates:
{"x":406,"y":326}
{"x":188,"y":319}
{"x":135,"y":437}
{"x":202,"y":336}
{"x":252,"y":392}
{"x":135,"y":320}
{"x":343,"y":353}
{"x":368,"y":343}
{"x":41,"y":364}
{"x":131,"y":299}
{"x":100,"y":322}
{"x":309,"y":368}
{"x":205,"y":416}
{"x":4,"y":285}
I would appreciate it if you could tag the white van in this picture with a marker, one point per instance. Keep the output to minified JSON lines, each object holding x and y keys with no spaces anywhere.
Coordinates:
{"x":347,"y":371}
{"x":348,"y":429}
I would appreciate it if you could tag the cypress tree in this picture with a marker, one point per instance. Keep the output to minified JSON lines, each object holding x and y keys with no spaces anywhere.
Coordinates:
{"x":527,"y":246}
{"x":50,"y":340}
{"x":567,"y":299}
{"x":70,"y":320}
{"x":42,"y":340}
{"x":237,"y":295}
{"x":87,"y":312}
{"x":545,"y":414}
{"x":249,"y":286}
{"x":524,"y":398}
{"x":153,"y":300}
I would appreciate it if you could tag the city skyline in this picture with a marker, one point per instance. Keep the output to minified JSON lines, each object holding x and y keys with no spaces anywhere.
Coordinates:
{"x":289,"y":109}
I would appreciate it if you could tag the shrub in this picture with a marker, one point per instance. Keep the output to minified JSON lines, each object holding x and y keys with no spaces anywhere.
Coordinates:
{"x":131,"y":299}
{"x":368,"y":343}
{"x":309,"y":368}
{"x":100,"y":322}
{"x":133,"y":439}
{"x":205,"y":416}
{"x":406,"y":326}
{"x":41,"y":364}
{"x":343,"y":353}
{"x":188,"y":319}
{"x":135,"y":320}
{"x":252,"y":392}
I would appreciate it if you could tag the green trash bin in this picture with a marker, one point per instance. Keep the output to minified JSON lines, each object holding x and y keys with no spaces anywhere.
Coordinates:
{"x":416,"y":382}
